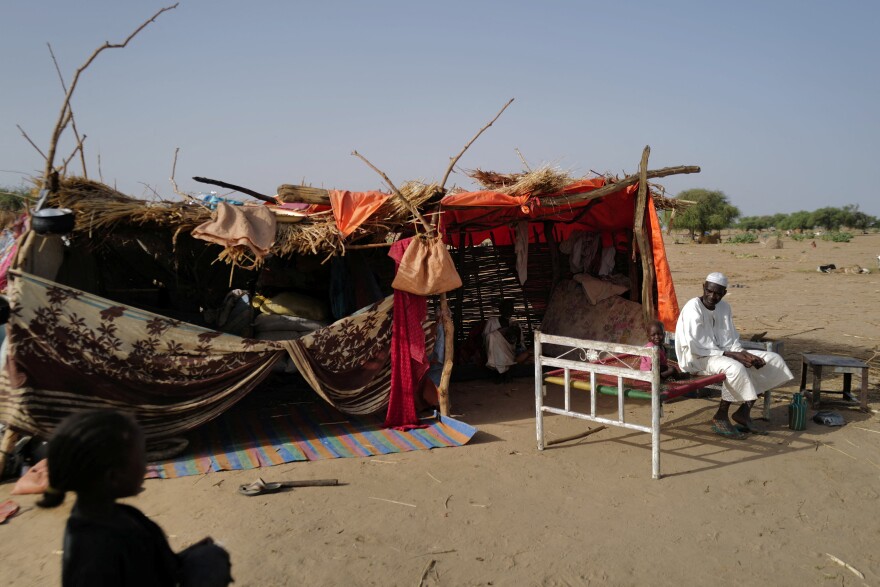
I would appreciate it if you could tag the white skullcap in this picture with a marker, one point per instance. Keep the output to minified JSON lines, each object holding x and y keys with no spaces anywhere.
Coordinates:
{"x":718,"y":278}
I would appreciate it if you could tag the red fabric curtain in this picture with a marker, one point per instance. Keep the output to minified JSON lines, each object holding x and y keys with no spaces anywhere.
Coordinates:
{"x":409,"y":359}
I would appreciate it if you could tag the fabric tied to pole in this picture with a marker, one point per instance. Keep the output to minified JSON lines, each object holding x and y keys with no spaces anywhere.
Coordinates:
{"x":351,"y":209}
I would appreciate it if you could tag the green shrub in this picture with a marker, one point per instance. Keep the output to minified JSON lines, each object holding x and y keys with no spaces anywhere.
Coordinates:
{"x":14,"y":199}
{"x":799,"y":236}
{"x":837,"y":237}
{"x":744,"y":237}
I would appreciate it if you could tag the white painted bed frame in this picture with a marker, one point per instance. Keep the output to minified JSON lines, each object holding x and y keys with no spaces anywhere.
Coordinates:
{"x":586,"y":353}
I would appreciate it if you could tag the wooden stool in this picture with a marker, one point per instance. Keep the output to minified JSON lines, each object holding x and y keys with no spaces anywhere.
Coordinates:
{"x":845,"y":365}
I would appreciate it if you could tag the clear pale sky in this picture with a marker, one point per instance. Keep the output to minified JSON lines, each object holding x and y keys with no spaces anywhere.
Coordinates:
{"x":777,"y":101}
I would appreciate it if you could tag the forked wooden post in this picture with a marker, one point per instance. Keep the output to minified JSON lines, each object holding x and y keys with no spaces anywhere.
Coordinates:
{"x":448,"y":352}
{"x":445,"y":315}
{"x":640,"y":232}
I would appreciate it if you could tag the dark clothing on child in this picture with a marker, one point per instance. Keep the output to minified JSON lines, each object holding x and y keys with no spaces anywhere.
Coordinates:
{"x":125,"y":549}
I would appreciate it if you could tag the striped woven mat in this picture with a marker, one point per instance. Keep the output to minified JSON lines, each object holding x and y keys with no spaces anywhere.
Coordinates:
{"x":304,"y":432}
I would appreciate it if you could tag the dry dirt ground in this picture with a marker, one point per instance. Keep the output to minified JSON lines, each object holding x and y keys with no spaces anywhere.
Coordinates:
{"x":768,"y":510}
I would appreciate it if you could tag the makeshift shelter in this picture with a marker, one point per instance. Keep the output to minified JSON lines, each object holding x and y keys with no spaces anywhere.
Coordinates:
{"x":114,"y":314}
{"x":124,"y":310}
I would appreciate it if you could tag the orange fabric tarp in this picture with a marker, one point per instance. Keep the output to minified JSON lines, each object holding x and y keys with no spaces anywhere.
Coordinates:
{"x":483,"y":199}
{"x":667,"y":302}
{"x":488,"y":215}
{"x":351,"y":209}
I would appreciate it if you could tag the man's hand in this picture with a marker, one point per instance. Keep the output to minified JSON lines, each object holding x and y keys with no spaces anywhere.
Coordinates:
{"x":746,"y":358}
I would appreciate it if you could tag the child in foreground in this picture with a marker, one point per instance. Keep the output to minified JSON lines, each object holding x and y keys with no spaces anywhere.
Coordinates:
{"x":100,"y":455}
{"x":656,"y":333}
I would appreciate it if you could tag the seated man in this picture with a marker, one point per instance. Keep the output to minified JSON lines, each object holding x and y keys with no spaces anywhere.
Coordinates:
{"x":706,"y":342}
{"x":503,"y":340}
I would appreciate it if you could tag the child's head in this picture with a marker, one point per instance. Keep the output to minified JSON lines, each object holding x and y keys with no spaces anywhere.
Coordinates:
{"x":655,"y":332}
{"x":99,"y":453}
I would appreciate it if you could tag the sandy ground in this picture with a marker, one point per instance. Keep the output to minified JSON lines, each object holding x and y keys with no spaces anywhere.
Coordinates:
{"x":768,"y":510}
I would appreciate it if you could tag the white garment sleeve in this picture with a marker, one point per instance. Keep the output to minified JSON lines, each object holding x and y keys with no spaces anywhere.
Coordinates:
{"x":725,"y":332}
{"x":692,"y":335}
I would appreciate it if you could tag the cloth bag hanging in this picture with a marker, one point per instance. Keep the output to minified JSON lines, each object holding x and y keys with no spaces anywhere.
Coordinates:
{"x":426,"y":268}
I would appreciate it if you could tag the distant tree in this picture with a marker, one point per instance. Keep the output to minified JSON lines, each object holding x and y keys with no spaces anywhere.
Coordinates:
{"x":754,"y":222}
{"x":829,"y":218}
{"x":710,"y":211}
{"x":778,"y":219}
{"x":14,"y":199}
{"x":801,"y":220}
{"x":855,"y":218}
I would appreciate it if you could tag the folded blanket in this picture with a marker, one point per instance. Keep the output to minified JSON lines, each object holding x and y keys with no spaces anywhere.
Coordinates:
{"x":597,"y":289}
{"x":252,"y":227}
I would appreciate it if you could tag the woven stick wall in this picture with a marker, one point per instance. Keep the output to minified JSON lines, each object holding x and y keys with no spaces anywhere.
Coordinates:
{"x":488,"y":275}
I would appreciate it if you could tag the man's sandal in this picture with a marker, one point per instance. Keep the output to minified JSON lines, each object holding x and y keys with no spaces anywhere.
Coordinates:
{"x":726,"y":430}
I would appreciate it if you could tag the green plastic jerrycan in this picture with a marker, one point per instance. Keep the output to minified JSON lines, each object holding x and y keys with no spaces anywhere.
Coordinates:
{"x":797,"y":412}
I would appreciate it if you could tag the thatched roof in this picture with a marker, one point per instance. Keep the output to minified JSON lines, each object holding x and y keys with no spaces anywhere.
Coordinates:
{"x":100,"y":208}
{"x":547,"y":180}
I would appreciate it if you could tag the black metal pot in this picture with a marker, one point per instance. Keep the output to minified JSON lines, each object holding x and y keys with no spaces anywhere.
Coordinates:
{"x":52,"y":221}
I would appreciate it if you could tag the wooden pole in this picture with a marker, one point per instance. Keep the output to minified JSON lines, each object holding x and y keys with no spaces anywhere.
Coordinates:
{"x":465,"y":279}
{"x":368,"y":246}
{"x":448,"y":344}
{"x":50,"y":175}
{"x":619,"y":185}
{"x":633,"y":273}
{"x":454,"y":160}
{"x":238,"y":188}
{"x":641,"y":235}
{"x":448,"y":352}
{"x":79,"y":140}
{"x":299,"y":193}
{"x":446,"y":316}
{"x":554,"y":253}
{"x":409,"y":205}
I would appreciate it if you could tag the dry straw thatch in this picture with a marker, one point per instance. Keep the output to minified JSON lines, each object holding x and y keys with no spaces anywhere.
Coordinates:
{"x":100,"y":208}
{"x":551,"y":180}
{"x":544,"y":180}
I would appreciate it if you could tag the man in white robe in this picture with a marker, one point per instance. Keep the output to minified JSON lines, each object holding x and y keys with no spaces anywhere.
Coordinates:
{"x":706,"y":342}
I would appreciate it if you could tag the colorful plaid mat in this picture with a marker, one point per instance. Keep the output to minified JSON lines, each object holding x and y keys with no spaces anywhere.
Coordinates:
{"x":304,"y":432}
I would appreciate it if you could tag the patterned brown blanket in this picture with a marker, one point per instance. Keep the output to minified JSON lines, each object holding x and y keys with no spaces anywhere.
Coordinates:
{"x":69,"y":350}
